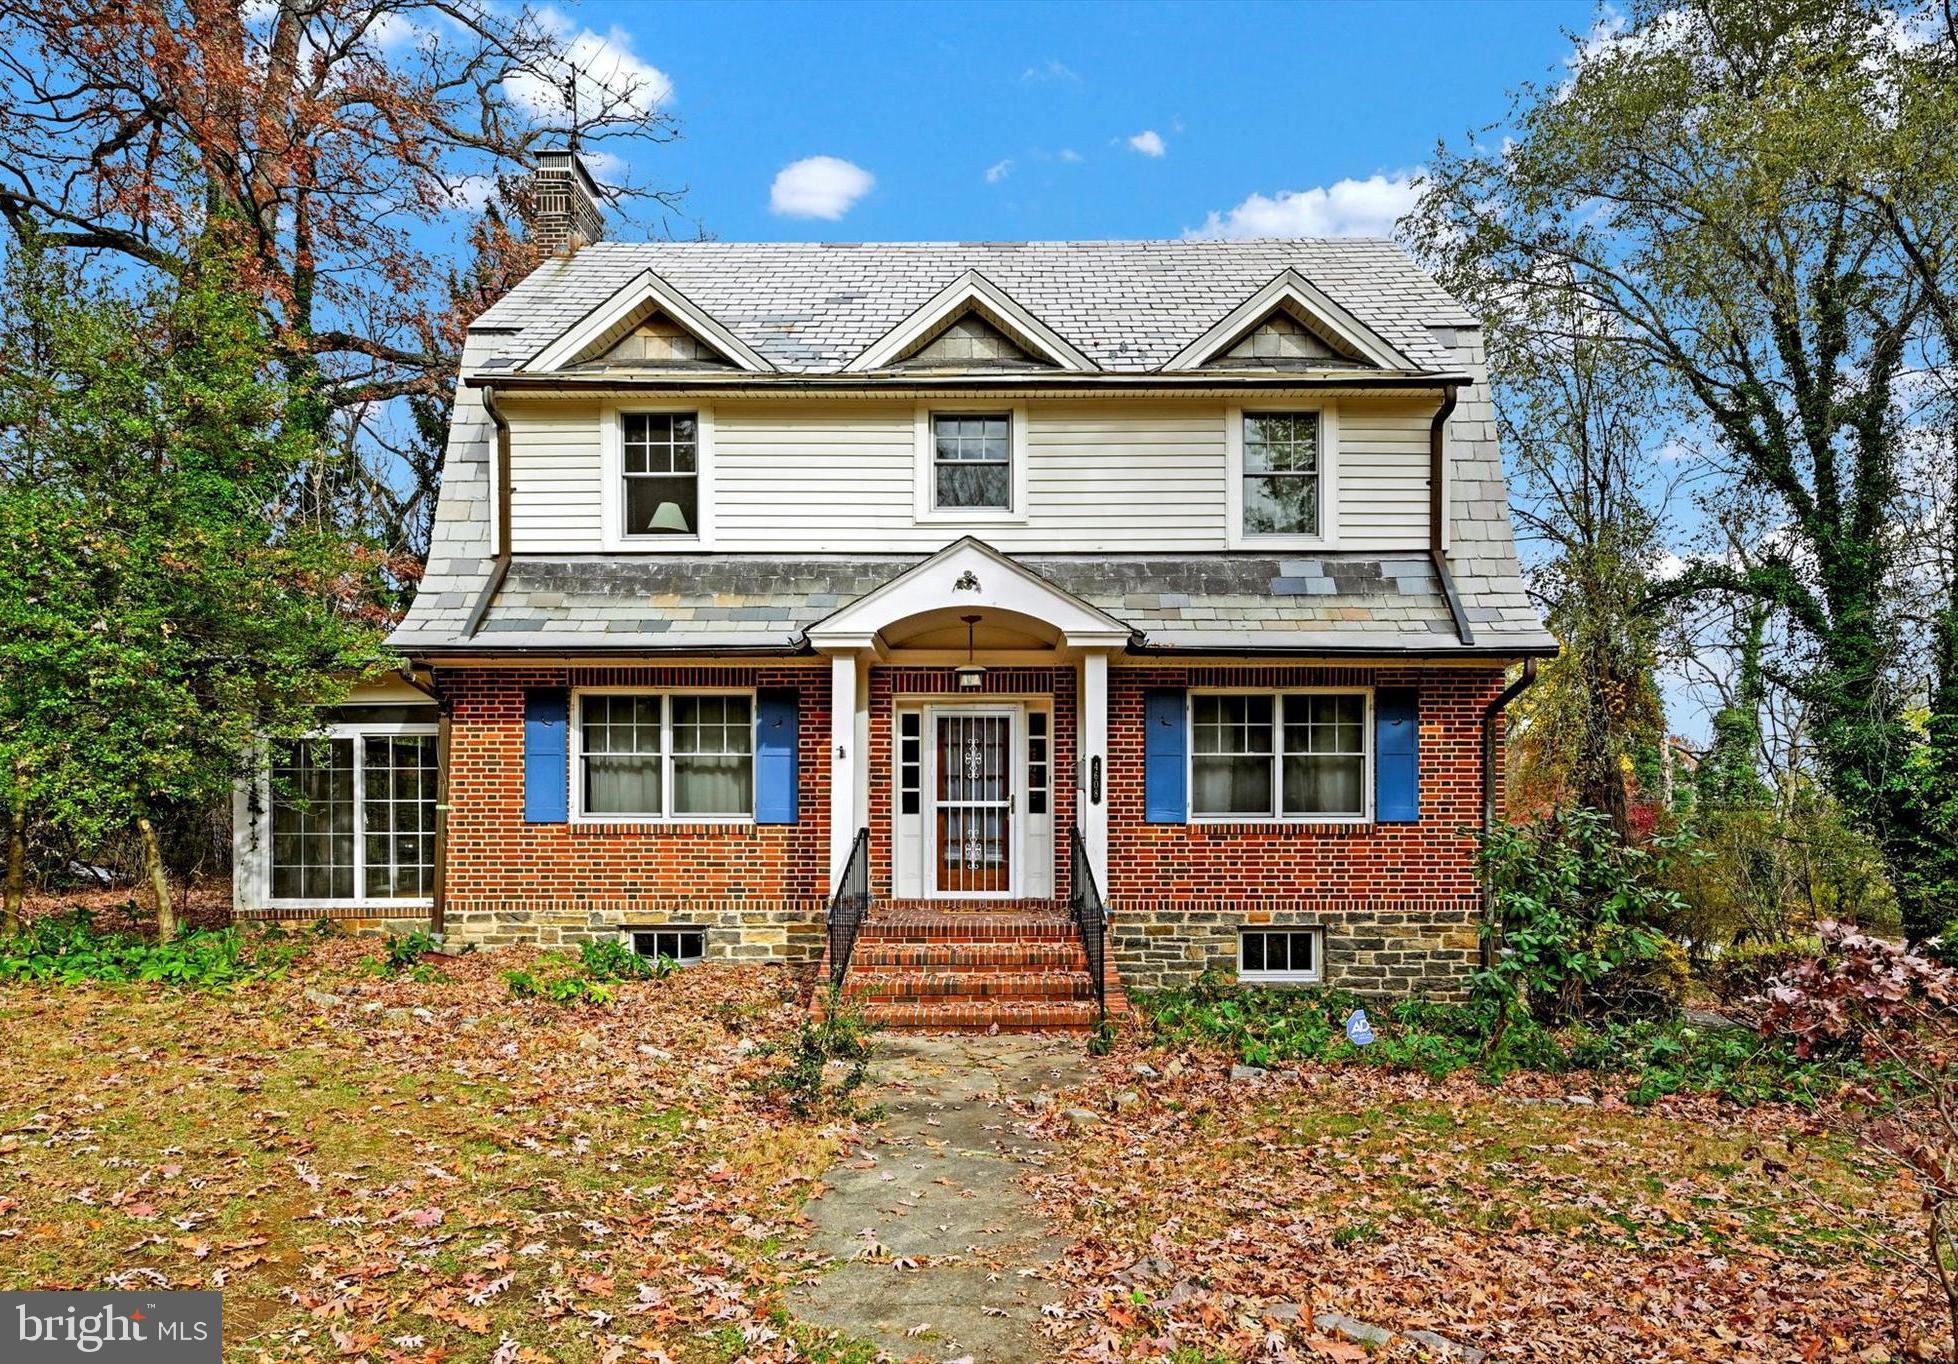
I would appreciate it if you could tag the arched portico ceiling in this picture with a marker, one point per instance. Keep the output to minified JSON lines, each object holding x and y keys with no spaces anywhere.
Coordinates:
{"x":968,"y":577}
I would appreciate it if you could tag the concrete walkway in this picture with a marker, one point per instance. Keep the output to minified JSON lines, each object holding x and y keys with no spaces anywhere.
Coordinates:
{"x":936,"y":1252}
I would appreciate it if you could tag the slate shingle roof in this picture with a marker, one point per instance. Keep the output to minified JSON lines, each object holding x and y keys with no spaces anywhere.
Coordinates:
{"x":707,"y":601}
{"x":1129,"y":305}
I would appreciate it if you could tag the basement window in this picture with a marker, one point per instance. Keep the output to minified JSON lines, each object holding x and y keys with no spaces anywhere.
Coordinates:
{"x":1278,"y":956}
{"x":684,"y":945}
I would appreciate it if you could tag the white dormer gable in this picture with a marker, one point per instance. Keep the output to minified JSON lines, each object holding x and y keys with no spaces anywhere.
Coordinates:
{"x":1254,"y":326}
{"x":646,"y":304}
{"x":967,"y":577}
{"x":971,"y":293}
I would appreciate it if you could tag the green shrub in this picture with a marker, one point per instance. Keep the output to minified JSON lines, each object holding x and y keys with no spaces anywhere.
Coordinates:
{"x":1266,"y":1027}
{"x":556,"y":988}
{"x":824,"y":1061}
{"x":68,"y":949}
{"x":610,"y":959}
{"x":1743,"y":972}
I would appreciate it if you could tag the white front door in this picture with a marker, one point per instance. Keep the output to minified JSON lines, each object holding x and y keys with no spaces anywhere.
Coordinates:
{"x":972,"y":825}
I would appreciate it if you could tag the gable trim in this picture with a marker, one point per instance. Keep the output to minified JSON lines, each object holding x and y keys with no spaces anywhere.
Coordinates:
{"x":1293,"y":288}
{"x":646,"y":293}
{"x":982,"y":578}
{"x":969,"y":291}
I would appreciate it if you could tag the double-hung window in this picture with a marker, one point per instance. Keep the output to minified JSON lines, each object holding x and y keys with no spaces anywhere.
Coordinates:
{"x":972,"y":462}
{"x":659,"y":468}
{"x":352,"y":816}
{"x":1281,"y":478}
{"x":666,"y":755}
{"x":1278,"y":755}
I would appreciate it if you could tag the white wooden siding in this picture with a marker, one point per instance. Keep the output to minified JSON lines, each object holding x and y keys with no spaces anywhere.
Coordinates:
{"x":1383,"y":475}
{"x":828,"y":476}
{"x":554,"y":480}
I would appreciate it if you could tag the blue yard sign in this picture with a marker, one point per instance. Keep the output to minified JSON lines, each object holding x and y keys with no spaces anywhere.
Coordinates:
{"x":1358,"y":1031}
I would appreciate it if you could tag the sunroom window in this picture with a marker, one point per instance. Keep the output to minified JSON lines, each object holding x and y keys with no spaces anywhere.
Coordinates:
{"x":657,"y":756}
{"x":353,"y":818}
{"x":1265,"y":755}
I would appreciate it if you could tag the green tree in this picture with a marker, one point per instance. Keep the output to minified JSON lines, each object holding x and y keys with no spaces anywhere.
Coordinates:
{"x":159,"y":610}
{"x":1706,"y":181}
{"x":1576,"y":412}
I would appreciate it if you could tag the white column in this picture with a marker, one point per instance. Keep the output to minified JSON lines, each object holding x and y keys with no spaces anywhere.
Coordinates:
{"x":1091,"y":794}
{"x":845,"y":763}
{"x":860,"y":811}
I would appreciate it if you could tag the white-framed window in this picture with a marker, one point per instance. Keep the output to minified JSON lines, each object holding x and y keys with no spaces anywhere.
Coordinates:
{"x":1281,"y":755}
{"x":657,"y":466}
{"x":972,"y":464}
{"x":639,"y":755}
{"x":685,"y":944}
{"x":1282,"y":469}
{"x":350,"y":816}
{"x":1279,"y":956}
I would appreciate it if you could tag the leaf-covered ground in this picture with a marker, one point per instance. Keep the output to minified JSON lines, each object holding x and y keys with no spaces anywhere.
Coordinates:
{"x":1217,"y":1218}
{"x":390,"y":1170}
{"x":397,"y":1170}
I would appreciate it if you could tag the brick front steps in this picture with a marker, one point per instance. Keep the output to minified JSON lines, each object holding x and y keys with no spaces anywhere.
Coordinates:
{"x":930,"y":966}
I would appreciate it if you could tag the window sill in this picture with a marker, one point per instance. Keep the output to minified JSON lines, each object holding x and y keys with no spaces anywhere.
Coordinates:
{"x":976,"y":517}
{"x":422,"y":904}
{"x":1280,"y":978}
{"x":1255,"y":823}
{"x":648,"y":824}
{"x":1323,"y":543}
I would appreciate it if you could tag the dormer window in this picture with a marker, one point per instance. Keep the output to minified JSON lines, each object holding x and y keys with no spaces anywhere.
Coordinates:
{"x":972,"y":462}
{"x":660,"y":471}
{"x":1281,"y":473}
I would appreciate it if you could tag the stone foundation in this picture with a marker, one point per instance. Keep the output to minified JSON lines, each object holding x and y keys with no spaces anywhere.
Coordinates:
{"x":737,"y":930}
{"x":1392,"y":949}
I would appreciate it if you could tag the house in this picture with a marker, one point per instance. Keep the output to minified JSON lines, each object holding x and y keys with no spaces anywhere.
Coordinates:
{"x":997,"y":623}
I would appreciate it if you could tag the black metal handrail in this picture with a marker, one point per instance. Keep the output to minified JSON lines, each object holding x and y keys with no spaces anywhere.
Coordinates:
{"x":1090,"y":916}
{"x":848,"y":906}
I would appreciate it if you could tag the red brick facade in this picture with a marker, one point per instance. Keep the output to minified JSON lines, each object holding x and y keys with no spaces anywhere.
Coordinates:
{"x":1396,"y":902}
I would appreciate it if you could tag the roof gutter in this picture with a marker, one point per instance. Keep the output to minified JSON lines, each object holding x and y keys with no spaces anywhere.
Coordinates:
{"x":501,"y":567}
{"x":1438,"y":513}
{"x":516,"y":382}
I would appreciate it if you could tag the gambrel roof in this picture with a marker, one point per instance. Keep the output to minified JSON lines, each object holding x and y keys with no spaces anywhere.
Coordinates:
{"x":1124,"y":307}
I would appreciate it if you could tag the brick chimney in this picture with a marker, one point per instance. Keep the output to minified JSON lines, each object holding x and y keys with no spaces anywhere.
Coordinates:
{"x":564,"y":213}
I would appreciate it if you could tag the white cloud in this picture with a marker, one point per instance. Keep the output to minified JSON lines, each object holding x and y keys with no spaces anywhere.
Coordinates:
{"x":1070,"y":156}
{"x":1348,"y":208}
{"x":999,"y":170}
{"x":1053,"y":69}
{"x":610,"y":74}
{"x":1149,"y":142}
{"x":818,"y":187}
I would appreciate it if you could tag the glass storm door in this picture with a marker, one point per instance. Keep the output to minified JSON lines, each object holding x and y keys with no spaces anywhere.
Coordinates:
{"x":973,"y":803}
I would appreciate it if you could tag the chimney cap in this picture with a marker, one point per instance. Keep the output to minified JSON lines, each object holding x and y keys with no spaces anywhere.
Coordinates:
{"x":567,"y":158}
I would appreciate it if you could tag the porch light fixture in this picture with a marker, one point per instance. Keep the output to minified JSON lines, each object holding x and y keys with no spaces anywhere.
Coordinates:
{"x":971,"y":676}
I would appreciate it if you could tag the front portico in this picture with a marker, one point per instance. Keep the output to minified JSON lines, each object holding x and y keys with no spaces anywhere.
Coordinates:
{"x":964,"y":638}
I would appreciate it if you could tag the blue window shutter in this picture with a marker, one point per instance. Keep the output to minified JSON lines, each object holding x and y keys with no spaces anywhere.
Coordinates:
{"x":546,"y":780}
{"x":775,"y":756}
{"x":1397,"y":755}
{"x":1165,"y":757}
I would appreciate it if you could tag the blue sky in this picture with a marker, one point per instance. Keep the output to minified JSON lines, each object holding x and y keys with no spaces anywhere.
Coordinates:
{"x":926,"y":99}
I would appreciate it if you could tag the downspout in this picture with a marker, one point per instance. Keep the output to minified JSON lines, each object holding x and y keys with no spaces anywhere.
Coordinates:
{"x":501,"y":566}
{"x":1490,"y":713}
{"x":438,"y":899}
{"x":1438,"y":513}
